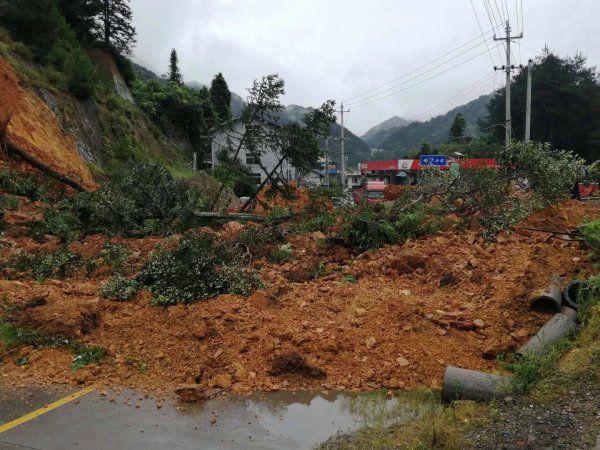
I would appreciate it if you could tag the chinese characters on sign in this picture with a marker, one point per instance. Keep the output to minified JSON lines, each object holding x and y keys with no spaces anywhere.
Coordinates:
{"x":433,"y":160}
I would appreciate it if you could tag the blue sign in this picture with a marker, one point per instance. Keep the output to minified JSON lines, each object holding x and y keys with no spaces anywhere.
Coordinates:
{"x":433,"y":160}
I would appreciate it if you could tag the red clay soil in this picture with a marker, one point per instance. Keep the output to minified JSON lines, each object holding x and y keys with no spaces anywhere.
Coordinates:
{"x":414,"y":309}
{"x":35,"y":129}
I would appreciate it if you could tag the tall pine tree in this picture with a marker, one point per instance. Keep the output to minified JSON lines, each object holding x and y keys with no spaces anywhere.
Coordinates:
{"x":117,"y":31}
{"x":457,"y":130}
{"x":81,"y":16}
{"x":174,"y":72}
{"x":220,"y":97}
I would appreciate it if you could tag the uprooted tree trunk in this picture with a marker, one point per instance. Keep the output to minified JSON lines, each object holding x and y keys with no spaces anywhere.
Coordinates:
{"x":10,"y":148}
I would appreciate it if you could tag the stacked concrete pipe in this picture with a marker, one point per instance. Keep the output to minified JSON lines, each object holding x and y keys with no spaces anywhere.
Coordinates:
{"x":549,"y":300}
{"x":464,"y":384}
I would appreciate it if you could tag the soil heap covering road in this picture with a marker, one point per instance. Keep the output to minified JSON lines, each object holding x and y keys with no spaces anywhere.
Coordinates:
{"x":390,"y":318}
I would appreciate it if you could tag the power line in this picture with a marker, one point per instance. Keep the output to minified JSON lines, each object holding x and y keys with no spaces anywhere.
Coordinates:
{"x":492,"y":19}
{"x":422,"y":66}
{"x":454,"y":98}
{"x":411,"y":112}
{"x":412,"y":78}
{"x":420,"y":82}
{"x":481,"y":29}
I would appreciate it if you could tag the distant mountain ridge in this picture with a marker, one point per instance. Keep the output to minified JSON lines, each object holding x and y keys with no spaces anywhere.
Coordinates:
{"x":399,"y":141}
{"x":379,"y":133}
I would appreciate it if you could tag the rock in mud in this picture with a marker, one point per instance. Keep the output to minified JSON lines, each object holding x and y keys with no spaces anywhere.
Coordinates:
{"x":193,"y":393}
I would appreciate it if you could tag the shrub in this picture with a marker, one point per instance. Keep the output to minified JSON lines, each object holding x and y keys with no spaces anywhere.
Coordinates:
{"x":115,"y":255}
{"x":119,"y":288}
{"x":591,"y":236}
{"x":277,"y":216}
{"x":60,"y":264}
{"x":200,"y":267}
{"x":22,"y":185}
{"x":59,"y":222}
{"x":371,"y":226}
{"x":321,"y":222}
{"x":283,"y":254}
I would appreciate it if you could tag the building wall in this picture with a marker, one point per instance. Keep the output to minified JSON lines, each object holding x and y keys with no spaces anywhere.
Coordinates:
{"x":269,"y":158}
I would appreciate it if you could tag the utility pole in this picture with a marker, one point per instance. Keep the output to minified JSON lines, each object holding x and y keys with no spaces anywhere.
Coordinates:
{"x":508,"y":67}
{"x":327,"y":162}
{"x":342,"y":148}
{"x":528,"y":105}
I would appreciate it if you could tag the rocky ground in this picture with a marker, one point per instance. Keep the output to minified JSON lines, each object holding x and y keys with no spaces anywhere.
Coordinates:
{"x":392,"y":318}
{"x":568,"y":422}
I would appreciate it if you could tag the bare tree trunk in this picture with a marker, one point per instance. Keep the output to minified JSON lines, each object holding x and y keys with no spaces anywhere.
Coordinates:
{"x":262,"y":185}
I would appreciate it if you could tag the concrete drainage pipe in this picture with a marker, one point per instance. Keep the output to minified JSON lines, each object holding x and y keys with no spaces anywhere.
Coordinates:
{"x":464,"y":384}
{"x":559,"y":326}
{"x":549,"y":301}
{"x":571,"y":293}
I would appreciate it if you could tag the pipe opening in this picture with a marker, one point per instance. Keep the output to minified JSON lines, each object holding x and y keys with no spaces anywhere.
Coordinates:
{"x":545,"y":303}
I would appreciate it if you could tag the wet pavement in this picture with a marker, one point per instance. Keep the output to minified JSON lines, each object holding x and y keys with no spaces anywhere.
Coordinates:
{"x":128,"y":421}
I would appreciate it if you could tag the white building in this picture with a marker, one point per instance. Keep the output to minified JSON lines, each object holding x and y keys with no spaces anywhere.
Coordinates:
{"x":228,"y":137}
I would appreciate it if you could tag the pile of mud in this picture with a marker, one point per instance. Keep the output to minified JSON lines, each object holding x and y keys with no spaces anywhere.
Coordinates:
{"x":34,"y":128}
{"x":391,"y":318}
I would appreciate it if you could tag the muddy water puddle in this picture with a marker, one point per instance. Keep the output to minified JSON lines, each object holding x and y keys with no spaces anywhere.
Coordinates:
{"x":282,"y":420}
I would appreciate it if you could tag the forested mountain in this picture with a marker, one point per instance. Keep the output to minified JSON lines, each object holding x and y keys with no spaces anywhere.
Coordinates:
{"x":146,"y":74}
{"x":382,"y":131}
{"x":436,"y":130}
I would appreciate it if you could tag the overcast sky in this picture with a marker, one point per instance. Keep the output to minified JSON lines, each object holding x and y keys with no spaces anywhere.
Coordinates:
{"x":341,"y":48}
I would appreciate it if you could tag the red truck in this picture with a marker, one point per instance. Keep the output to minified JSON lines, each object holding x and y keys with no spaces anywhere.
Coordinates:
{"x":372,"y":192}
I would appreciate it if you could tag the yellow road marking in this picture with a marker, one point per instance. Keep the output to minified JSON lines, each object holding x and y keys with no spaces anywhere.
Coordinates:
{"x":38,"y":412}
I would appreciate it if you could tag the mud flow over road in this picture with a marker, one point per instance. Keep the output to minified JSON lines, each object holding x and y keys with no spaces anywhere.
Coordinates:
{"x":391,"y":318}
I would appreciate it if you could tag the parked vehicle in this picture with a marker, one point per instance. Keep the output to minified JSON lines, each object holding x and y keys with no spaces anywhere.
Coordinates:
{"x":372,"y":192}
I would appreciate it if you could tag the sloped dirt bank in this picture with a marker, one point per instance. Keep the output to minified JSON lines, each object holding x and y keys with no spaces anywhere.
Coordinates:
{"x":404,"y":314}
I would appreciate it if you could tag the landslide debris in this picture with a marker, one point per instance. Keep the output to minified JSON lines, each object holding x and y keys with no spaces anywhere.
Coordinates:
{"x":375,"y":320}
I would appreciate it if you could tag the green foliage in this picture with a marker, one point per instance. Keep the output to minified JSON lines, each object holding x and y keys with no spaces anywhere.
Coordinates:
{"x":588,"y":298}
{"x":119,"y":288}
{"x":22,"y":185}
{"x":284,"y":253}
{"x":254,"y":237}
{"x":88,"y":355}
{"x":220,"y":96}
{"x":277,"y":216}
{"x":530,"y":369}
{"x":371,"y":226}
{"x":550,"y":173}
{"x":115,"y":255}
{"x":321,"y":222}
{"x":457,"y":130}
{"x":595,"y":171}
{"x":591,"y":236}
{"x":174,"y":72}
{"x":58,"y":221}
{"x":232,"y":173}
{"x":173,"y":105}
{"x":148,"y":200}
{"x":200,"y":267}
{"x":117,"y":31}
{"x":60,"y":264}
{"x":349,"y":279}
{"x":35,"y":22}
{"x":565,"y":107}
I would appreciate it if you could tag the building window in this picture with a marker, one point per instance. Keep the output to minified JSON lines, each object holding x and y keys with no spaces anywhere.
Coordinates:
{"x":257,"y":178}
{"x":252,"y":158}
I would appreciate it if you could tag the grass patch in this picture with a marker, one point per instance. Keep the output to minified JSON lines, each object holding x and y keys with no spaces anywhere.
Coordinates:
{"x":413,"y":419}
{"x":59,"y":264}
{"x":13,"y":336}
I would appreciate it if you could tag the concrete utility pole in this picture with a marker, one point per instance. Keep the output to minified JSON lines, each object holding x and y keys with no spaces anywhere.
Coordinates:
{"x":528,"y":105}
{"x":327,"y":162}
{"x":508,"y":67}
{"x":342,"y":148}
